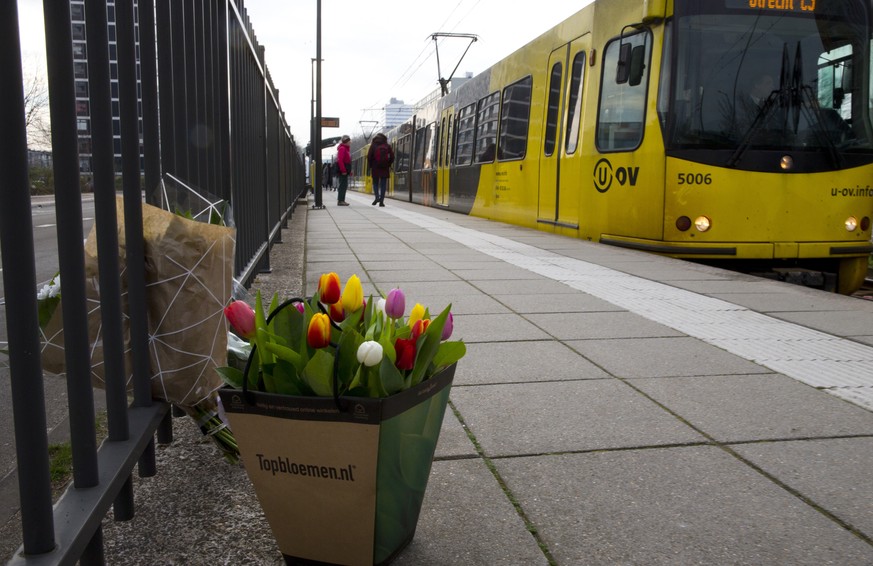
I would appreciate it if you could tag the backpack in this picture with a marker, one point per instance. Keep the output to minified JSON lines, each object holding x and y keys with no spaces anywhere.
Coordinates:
{"x":383,"y":156}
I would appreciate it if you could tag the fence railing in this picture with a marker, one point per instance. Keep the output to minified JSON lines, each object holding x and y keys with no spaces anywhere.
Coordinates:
{"x":216,"y":127}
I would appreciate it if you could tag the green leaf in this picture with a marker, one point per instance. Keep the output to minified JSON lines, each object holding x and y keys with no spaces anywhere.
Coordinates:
{"x":318,"y":373}
{"x":231,"y":376}
{"x":449,"y":353}
{"x":347,"y":356}
{"x":285,"y":353}
{"x":390,"y":376}
{"x":261,"y":330}
{"x":47,"y":308}
{"x":286,"y":380}
{"x":427,"y":346}
{"x":254,"y":369}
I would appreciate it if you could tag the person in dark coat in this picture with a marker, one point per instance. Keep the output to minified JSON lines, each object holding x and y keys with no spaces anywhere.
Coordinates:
{"x":380,"y":157}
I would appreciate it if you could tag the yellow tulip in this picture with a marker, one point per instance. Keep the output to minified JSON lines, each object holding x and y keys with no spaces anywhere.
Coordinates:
{"x":353,"y":295}
{"x":416,"y":314}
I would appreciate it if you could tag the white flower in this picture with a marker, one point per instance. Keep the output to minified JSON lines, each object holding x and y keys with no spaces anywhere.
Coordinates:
{"x":51,"y":289}
{"x":370,"y":353}
{"x":380,"y":306}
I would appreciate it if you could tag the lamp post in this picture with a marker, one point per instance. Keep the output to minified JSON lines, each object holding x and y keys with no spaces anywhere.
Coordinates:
{"x":316,"y":127}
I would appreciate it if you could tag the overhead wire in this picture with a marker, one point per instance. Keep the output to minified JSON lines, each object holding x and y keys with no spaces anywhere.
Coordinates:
{"x":410,"y":72}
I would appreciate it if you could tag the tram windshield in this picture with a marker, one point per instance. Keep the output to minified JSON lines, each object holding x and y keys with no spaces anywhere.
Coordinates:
{"x":744,"y":75}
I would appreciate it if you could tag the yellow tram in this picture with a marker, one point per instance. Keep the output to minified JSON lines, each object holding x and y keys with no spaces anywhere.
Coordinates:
{"x":729,"y":130}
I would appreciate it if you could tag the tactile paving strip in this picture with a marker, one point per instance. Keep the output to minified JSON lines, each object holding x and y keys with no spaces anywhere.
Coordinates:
{"x":841,"y":367}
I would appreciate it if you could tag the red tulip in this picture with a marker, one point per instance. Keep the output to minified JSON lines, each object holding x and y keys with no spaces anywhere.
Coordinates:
{"x":405,"y":348}
{"x":337,"y":314}
{"x":242,"y":318}
{"x":318,"y":334}
{"x":329,"y":288}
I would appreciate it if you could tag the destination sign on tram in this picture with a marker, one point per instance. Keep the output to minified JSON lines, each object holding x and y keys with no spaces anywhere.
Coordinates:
{"x":773,"y":5}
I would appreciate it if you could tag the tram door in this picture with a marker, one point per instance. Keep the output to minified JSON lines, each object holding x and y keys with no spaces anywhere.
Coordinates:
{"x":562,"y":125}
{"x":444,"y":155}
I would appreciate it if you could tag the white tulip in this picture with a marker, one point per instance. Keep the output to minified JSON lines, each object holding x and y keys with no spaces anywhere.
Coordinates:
{"x":370,"y":353}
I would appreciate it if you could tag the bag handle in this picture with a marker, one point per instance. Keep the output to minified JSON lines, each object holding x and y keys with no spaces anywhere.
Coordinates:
{"x":340,"y":404}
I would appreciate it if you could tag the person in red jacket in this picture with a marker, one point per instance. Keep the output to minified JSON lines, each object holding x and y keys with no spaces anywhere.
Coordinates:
{"x":380,"y":157}
{"x":344,"y":164}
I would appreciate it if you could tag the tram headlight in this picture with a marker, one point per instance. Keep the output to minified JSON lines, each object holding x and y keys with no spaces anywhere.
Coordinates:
{"x":683,"y":223}
{"x":865,"y":223}
{"x":702,"y":223}
{"x":851,"y":224}
{"x":786,"y":163}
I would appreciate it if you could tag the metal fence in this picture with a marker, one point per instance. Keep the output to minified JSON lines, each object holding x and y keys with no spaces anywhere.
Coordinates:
{"x":216,"y":128}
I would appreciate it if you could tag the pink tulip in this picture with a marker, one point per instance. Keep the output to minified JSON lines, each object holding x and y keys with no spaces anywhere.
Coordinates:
{"x":448,"y":327}
{"x":242,"y":318}
{"x":395,"y":303}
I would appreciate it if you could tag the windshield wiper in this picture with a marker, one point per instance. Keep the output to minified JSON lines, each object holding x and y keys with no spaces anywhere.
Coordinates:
{"x":781,"y":96}
{"x":793,"y":94}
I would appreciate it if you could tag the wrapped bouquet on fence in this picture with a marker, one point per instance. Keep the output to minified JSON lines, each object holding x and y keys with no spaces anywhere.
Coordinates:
{"x":189,"y":280}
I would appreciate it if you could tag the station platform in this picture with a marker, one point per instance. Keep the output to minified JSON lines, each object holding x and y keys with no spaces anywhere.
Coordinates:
{"x":617,"y":407}
{"x":614,"y":407}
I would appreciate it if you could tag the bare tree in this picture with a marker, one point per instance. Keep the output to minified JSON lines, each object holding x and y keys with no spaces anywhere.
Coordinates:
{"x":36,"y":109}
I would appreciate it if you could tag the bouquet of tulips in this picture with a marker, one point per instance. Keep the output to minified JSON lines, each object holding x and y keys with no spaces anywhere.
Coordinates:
{"x":336,"y":343}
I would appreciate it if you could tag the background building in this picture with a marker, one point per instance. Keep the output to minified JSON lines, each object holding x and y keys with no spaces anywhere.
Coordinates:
{"x":80,"y":66}
{"x":396,"y":113}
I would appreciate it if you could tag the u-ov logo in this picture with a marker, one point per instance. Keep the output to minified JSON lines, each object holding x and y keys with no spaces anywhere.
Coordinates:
{"x":604,"y":175}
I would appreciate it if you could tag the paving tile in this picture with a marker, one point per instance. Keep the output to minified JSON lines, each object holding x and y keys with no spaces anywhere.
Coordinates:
{"x":598,"y":325}
{"x":409,"y":275}
{"x":838,"y":323}
{"x":757,"y":407}
{"x":663,"y":357}
{"x":834,"y":473}
{"x":467,"y":519}
{"x":785,"y":301}
{"x":537,"y":418}
{"x":514,"y":362}
{"x":556,"y":303}
{"x":527,"y":286}
{"x":495,"y":328}
{"x":453,"y":441}
{"x":685,"y":505}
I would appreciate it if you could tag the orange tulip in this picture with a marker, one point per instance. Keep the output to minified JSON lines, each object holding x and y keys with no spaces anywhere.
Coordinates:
{"x":419,"y":327}
{"x":318,"y":334}
{"x":329,"y":288}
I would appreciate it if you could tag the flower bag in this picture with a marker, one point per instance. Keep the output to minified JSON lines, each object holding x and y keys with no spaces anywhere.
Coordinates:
{"x":189,"y":268}
{"x":341,"y":480}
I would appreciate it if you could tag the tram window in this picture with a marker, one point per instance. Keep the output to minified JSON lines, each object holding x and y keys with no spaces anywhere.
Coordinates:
{"x":449,"y":142}
{"x":424,"y":147}
{"x":486,"y":127}
{"x":401,"y":155}
{"x":835,"y":80}
{"x":514,"y":119}
{"x":466,"y":134}
{"x":430,"y":146}
{"x":622,"y":105}
{"x":441,"y":132}
{"x":574,"y":104}
{"x":552,"y":109}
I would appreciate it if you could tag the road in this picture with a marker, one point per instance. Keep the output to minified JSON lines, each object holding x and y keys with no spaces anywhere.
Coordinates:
{"x":46,"y":254}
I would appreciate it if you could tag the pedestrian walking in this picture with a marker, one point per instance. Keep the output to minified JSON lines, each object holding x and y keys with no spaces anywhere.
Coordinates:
{"x":380,"y":157}
{"x":326,"y":177}
{"x":344,"y":163}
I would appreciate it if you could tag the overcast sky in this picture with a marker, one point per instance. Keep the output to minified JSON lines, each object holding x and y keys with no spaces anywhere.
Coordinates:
{"x":372,"y":50}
